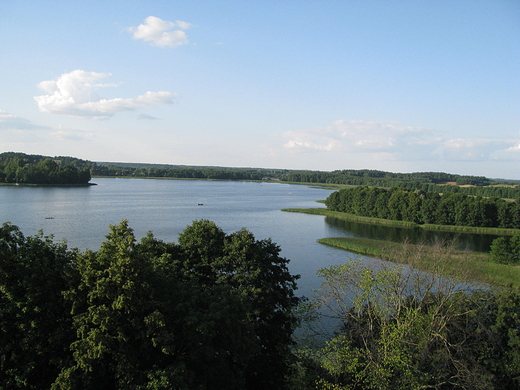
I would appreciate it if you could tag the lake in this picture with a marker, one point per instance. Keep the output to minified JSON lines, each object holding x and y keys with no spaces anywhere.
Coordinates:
{"x":81,"y":215}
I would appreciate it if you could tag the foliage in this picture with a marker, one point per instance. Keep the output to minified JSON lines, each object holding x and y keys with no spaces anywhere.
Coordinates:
{"x":415,"y":206}
{"x":506,"y":250}
{"x":35,"y":322}
{"x":214,"y":311}
{"x":185,"y":172}
{"x":423,"y":181}
{"x":33,"y":169}
{"x":402,"y":329}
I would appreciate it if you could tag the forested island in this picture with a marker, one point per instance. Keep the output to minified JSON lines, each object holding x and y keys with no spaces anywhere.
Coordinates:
{"x":21,"y":168}
{"x":430,"y":207}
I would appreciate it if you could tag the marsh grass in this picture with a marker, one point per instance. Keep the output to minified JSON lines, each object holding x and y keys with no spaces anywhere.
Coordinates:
{"x":352,"y":217}
{"x":441,"y":259}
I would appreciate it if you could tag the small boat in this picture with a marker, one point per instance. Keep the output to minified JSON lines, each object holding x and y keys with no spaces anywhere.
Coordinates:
{"x":49,"y":217}
{"x":201,"y":204}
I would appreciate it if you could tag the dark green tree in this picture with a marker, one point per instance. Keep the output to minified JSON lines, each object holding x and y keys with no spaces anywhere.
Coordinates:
{"x":506,"y":250}
{"x":257,"y":272}
{"x":144,"y":321}
{"x":35,"y":323}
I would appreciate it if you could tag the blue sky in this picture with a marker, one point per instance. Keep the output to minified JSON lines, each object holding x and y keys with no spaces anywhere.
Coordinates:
{"x":394,"y":85}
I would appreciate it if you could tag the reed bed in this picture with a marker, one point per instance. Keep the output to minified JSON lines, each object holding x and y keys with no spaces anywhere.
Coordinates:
{"x":440,"y":259}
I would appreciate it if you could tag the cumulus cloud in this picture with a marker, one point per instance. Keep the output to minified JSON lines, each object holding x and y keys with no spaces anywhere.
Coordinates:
{"x":393,"y":141}
{"x":74,"y":94}
{"x":162,"y":33}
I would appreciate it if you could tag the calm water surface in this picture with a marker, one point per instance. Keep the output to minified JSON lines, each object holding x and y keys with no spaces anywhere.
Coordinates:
{"x":81,"y":215}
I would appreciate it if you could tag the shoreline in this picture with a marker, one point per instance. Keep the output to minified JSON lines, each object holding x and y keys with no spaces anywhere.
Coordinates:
{"x":470,"y":266}
{"x":405,"y":224}
{"x":467,"y":265}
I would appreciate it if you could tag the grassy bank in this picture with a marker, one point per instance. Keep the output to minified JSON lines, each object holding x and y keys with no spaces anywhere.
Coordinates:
{"x":465,"y":265}
{"x":472,"y":229}
{"x":352,"y":217}
{"x":388,"y":222}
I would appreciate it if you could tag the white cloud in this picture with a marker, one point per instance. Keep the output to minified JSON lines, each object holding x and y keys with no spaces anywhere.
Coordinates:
{"x":75,"y":94}
{"x":69,"y":134}
{"x":479,"y":149}
{"x":162,"y":33}
{"x":392,"y":141}
{"x":359,"y":136}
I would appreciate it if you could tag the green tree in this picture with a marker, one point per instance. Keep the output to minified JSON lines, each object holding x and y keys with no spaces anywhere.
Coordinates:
{"x":144,"y":321}
{"x":257,"y":272}
{"x":212,"y":312}
{"x":506,"y":250}
{"x":35,"y":323}
{"x":397,"y":204}
{"x":413,"y":211}
{"x":429,"y":207}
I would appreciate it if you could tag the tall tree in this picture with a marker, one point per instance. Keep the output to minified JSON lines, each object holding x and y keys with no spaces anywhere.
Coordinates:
{"x":257,"y":272}
{"x":35,"y":323}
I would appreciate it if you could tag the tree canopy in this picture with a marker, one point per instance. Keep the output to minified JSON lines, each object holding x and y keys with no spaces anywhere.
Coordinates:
{"x":426,"y":207}
{"x":214,"y":311}
{"x":218,"y":311}
{"x":21,"y":168}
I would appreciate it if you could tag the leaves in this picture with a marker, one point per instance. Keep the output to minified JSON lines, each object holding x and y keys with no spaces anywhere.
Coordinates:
{"x":213,"y":311}
{"x":403,"y":330}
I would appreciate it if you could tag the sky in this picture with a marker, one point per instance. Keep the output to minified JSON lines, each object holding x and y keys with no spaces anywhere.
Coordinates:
{"x":395,"y":85}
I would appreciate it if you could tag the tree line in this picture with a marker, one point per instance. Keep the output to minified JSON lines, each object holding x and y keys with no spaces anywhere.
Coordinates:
{"x":21,"y":167}
{"x":210,"y":173}
{"x":382,"y":178}
{"x":426,"y":207}
{"x":215,"y":311}
{"x":425,"y":181}
{"x":25,"y":169}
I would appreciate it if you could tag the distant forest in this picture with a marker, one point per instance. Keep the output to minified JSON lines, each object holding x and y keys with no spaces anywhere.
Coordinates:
{"x":425,"y":181}
{"x":24,"y":168}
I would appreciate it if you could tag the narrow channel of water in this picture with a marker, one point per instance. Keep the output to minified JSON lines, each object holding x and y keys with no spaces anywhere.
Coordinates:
{"x":473,"y":242}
